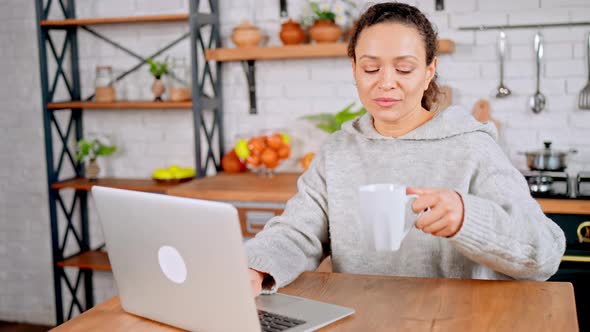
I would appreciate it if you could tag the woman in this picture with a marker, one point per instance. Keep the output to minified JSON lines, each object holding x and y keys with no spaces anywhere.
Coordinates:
{"x":483,"y":223}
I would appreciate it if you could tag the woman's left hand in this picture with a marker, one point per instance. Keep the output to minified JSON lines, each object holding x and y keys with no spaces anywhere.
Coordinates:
{"x":445,"y":217}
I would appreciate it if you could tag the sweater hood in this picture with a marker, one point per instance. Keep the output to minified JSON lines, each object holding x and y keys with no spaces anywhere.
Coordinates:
{"x":451,"y":122}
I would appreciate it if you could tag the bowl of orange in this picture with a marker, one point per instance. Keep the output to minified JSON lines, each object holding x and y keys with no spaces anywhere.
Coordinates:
{"x":264,"y":152}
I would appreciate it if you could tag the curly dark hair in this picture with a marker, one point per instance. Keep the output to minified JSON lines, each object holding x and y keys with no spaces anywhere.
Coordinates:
{"x":393,"y":12}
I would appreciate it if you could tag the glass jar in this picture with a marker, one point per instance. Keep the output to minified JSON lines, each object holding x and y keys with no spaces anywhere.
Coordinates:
{"x":104,"y":85}
{"x":179,"y":80}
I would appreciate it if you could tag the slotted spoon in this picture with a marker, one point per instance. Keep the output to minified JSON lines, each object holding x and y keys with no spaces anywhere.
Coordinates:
{"x":584,"y":98}
{"x":537,"y":101}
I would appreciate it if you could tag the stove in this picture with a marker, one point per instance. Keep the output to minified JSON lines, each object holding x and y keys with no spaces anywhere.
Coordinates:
{"x":583,"y":185}
{"x":561,"y":185}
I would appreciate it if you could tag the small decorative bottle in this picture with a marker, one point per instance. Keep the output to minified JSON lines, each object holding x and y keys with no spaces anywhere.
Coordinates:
{"x":104,"y":85}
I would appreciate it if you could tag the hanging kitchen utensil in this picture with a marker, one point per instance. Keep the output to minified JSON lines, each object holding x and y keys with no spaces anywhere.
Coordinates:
{"x":502,"y":91}
{"x":584,"y":98}
{"x":481,"y":112}
{"x":537,"y":101}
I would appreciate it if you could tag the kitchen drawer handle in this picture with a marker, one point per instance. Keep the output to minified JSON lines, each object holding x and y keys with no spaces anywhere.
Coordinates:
{"x":572,"y":258}
{"x":584,"y":232}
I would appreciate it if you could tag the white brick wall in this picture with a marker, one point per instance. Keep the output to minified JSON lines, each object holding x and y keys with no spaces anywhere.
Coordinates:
{"x":287,"y":89}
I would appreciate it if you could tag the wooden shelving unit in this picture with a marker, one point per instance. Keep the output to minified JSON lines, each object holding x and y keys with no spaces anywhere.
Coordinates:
{"x":143,"y":105}
{"x":91,"y":260}
{"x":58,"y":29}
{"x":146,"y":185}
{"x":304,"y":51}
{"x":115,"y":20}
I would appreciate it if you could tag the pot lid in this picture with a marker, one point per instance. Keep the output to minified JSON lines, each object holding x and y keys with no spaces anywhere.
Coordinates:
{"x":548,"y":151}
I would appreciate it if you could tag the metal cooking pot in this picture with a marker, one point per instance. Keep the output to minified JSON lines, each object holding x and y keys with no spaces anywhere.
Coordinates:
{"x":540,"y":184}
{"x":547,"y":159}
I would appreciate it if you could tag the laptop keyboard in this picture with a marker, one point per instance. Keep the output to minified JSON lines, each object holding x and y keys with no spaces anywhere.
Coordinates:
{"x":273,"y":323}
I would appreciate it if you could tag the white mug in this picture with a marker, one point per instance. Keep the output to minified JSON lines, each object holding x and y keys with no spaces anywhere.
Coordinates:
{"x":386,"y":215}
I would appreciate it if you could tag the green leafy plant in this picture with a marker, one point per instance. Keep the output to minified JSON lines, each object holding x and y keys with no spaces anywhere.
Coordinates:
{"x":339,"y":11}
{"x":91,"y":149}
{"x":158,"y":68}
{"x":331,"y":122}
{"x":321,"y":14}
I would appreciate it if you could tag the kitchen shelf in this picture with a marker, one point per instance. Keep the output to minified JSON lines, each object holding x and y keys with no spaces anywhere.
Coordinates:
{"x":92,"y":260}
{"x":122,"y":105}
{"x":249,"y":55}
{"x":303,"y":51}
{"x":115,"y":20}
{"x":146,"y":185}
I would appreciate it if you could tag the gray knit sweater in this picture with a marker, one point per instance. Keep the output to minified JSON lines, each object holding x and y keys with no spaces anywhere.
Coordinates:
{"x":504,"y":235}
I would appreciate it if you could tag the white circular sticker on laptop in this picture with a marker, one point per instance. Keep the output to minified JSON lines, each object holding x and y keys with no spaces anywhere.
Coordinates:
{"x":172,"y":264}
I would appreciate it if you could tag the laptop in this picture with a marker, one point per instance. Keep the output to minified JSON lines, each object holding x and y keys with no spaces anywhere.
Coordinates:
{"x":181,"y":261}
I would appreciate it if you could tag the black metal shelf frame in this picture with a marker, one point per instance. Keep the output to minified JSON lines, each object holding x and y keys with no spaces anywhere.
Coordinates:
{"x":74,"y":213}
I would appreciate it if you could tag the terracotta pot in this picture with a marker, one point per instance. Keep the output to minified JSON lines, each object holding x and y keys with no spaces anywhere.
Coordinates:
{"x":246,"y":35}
{"x":158,"y":89}
{"x":92,"y":170}
{"x":291,"y":33}
{"x":325,"y":31}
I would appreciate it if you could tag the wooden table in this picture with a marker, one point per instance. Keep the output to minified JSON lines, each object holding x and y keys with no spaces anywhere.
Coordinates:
{"x":400,"y":304}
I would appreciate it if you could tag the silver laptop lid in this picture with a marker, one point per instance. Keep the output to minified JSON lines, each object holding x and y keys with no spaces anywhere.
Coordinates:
{"x":176,"y":260}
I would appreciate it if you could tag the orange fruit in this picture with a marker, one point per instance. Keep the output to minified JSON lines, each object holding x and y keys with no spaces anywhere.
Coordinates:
{"x":284,"y":151}
{"x":257,"y":144}
{"x":306,"y":160}
{"x":253,"y":161}
{"x":270,"y":158}
{"x":274,"y":141}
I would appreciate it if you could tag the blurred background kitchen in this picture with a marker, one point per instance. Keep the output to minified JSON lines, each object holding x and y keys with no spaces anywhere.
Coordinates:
{"x":286,"y":91}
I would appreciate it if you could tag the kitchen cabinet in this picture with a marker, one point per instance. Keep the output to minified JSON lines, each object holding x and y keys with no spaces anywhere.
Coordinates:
{"x":575,"y":265}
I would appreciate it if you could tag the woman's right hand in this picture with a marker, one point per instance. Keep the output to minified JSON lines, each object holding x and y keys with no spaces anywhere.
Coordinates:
{"x":256,"y":278}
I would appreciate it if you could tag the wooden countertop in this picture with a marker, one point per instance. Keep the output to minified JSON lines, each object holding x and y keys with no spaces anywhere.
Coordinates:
{"x":403,"y":303}
{"x":249,"y":187}
{"x":242,"y":187}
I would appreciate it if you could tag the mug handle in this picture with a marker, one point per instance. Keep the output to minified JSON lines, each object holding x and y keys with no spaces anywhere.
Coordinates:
{"x":418,"y":215}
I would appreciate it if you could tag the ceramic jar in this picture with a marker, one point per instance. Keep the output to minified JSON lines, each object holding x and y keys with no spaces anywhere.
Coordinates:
{"x":291,"y":33}
{"x":158,"y":88}
{"x":325,"y":31}
{"x":246,"y":35}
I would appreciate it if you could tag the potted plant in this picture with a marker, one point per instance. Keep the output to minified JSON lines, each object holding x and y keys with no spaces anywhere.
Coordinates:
{"x":88,"y":151}
{"x":330,"y":122}
{"x":327,"y":18}
{"x":158,"y":69}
